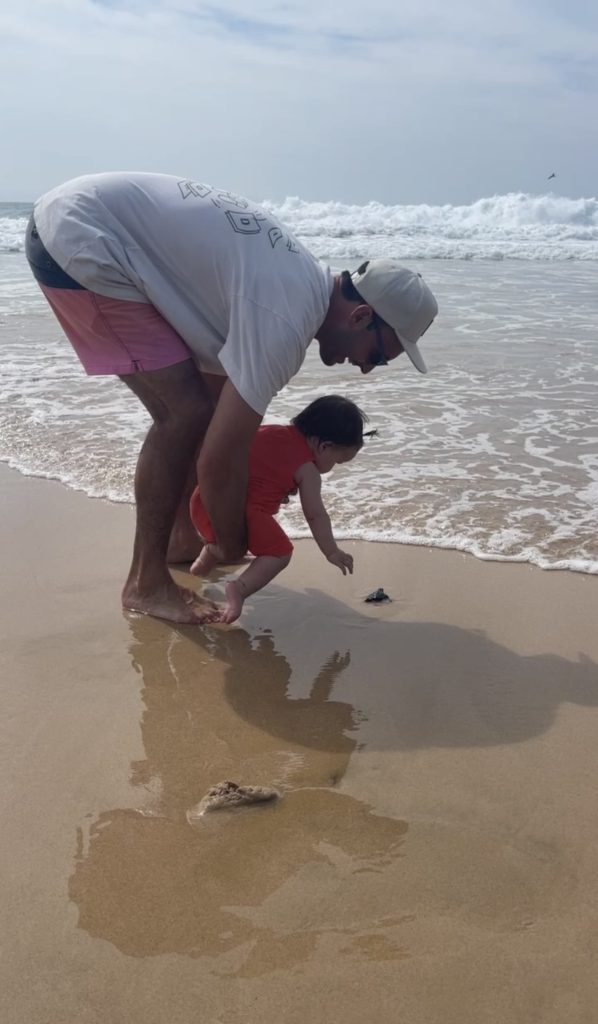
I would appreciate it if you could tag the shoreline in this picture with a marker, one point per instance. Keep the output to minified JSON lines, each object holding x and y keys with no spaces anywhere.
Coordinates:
{"x":576,"y":564}
{"x":434,"y":856}
{"x":476,"y":454}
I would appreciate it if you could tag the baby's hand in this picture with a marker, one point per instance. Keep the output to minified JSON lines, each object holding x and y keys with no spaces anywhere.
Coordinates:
{"x":342,"y":560}
{"x":288,"y":495}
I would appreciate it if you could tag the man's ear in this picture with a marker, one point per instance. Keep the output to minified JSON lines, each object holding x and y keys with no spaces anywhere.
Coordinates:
{"x":361,"y":315}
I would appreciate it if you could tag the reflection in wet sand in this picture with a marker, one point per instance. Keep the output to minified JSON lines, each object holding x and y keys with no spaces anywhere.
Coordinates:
{"x":152,"y":885}
{"x":319,"y":873}
{"x":196,"y":687}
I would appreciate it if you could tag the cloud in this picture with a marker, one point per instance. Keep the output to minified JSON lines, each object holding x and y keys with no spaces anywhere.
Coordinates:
{"x":431,"y":102}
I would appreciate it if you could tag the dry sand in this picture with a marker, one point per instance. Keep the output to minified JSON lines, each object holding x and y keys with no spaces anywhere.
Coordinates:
{"x":433,"y":859}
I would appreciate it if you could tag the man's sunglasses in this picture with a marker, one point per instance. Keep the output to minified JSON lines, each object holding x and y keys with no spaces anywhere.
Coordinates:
{"x":379,"y":359}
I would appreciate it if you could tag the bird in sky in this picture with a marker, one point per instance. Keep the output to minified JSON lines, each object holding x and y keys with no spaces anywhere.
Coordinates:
{"x":553,"y":175}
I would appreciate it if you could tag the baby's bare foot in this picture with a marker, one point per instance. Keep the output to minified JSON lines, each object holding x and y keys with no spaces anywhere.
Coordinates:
{"x":204,"y":563}
{"x":234,"y":602}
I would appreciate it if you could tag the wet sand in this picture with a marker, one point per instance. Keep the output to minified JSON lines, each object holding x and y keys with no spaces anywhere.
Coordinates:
{"x":434,"y":856}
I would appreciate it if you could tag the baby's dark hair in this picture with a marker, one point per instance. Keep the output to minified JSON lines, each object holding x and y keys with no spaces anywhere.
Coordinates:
{"x":332,"y":418}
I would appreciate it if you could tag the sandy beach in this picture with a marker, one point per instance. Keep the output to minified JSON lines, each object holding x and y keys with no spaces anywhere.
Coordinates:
{"x":434,"y":856}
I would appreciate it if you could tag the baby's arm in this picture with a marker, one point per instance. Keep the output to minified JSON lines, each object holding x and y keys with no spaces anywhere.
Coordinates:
{"x":309,"y":482}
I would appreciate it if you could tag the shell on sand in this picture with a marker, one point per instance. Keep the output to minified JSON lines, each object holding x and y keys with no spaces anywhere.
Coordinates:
{"x":226,"y":795}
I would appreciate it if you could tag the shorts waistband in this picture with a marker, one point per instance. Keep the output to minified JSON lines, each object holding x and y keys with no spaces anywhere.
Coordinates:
{"x":44,"y":267}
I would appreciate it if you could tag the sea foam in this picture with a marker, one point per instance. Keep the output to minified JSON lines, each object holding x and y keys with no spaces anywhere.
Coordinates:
{"x":514,"y":226}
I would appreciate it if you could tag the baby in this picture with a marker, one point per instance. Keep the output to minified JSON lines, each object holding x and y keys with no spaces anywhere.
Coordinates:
{"x":282,"y":461}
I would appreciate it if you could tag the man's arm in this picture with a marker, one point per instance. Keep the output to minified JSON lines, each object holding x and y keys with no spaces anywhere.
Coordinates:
{"x":222,"y":469}
{"x":309,"y":483}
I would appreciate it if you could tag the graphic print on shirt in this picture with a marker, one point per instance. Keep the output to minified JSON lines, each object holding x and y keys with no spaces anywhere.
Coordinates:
{"x":244,"y":223}
{"x":248,"y":222}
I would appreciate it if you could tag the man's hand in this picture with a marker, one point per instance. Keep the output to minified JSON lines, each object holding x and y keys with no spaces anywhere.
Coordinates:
{"x":222,"y":558}
{"x":222,"y":470}
{"x":342,"y":560}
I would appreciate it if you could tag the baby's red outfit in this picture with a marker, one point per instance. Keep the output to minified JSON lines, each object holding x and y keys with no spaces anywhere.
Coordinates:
{"x":275,"y":455}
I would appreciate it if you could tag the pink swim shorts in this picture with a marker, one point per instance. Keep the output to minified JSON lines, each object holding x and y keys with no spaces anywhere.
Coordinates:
{"x":113,"y":336}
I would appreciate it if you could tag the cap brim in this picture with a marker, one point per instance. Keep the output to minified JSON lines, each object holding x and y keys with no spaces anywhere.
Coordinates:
{"x":411,"y":350}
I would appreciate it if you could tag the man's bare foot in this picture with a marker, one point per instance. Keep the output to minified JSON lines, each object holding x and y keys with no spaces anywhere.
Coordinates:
{"x":172,"y":603}
{"x":234,"y":602}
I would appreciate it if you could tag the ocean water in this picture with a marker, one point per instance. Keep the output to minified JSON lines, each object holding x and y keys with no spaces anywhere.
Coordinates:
{"x":494,"y":452}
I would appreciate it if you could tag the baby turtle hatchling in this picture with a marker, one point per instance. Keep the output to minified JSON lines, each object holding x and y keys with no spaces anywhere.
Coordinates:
{"x":378,"y":595}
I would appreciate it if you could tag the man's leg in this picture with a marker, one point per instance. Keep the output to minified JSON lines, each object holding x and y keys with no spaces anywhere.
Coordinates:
{"x":180,"y":404}
{"x":185,"y":544}
{"x":113,"y":336}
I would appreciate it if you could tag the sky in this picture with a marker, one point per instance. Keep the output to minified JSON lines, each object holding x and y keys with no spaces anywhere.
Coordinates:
{"x":427,"y":102}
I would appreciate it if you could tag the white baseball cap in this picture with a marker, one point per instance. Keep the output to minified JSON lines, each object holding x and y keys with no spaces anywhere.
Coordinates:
{"x":401,"y":298}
